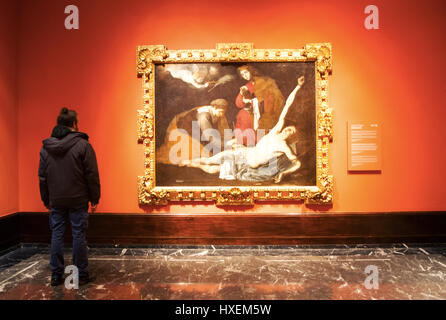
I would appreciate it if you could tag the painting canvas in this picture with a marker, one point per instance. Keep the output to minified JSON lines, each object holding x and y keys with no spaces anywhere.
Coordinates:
{"x":188,"y":97}
{"x":235,"y":125}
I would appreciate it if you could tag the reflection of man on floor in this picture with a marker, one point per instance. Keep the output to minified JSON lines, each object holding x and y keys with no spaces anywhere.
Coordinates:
{"x":262,"y":162}
{"x":183,"y":140}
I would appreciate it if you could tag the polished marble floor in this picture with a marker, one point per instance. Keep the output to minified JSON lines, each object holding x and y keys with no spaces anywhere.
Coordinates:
{"x":235,"y":272}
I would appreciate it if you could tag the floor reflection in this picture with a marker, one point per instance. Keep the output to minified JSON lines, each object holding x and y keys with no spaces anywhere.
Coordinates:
{"x":234,"y":272}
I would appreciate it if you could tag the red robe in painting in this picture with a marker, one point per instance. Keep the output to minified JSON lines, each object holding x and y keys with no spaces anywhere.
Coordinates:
{"x":268,"y":93}
{"x":244,"y":118}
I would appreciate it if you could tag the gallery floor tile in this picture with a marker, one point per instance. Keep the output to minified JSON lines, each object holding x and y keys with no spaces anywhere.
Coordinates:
{"x":235,"y":272}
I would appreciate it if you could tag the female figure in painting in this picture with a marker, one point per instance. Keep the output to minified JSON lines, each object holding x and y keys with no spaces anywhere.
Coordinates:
{"x":260,"y":102}
{"x":270,"y":158}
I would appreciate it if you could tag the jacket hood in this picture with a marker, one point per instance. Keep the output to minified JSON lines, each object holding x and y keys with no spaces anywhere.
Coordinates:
{"x":62,"y":140}
{"x":60,"y":131}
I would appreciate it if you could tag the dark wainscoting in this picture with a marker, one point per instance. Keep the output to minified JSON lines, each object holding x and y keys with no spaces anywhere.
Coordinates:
{"x":9,"y":231}
{"x":249,"y":229}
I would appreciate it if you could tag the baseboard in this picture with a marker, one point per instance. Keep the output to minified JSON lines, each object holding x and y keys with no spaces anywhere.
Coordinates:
{"x":249,"y":229}
{"x":9,"y":231}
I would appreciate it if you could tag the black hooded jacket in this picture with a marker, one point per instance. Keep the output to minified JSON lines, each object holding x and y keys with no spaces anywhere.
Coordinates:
{"x":68,"y":170}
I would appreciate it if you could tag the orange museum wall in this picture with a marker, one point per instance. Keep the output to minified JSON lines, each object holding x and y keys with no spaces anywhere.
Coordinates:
{"x":8,"y":109}
{"x":394,"y":75}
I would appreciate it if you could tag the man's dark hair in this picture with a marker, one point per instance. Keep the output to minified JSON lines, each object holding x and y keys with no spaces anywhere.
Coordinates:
{"x":67,"y":118}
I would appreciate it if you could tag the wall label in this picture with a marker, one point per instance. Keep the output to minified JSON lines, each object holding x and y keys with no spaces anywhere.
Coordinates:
{"x":364,"y":146}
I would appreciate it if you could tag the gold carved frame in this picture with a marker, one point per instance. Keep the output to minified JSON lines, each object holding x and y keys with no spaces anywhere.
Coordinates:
{"x":150,"y":194}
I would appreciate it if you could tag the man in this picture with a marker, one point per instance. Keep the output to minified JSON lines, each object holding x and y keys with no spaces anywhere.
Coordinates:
{"x":207,"y":120}
{"x":69,"y":180}
{"x":255,"y":163}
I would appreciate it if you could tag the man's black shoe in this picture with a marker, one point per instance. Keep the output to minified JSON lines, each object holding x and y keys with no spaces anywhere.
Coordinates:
{"x":57,"y":280}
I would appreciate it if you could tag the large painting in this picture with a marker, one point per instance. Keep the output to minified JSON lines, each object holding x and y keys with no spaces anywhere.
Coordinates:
{"x":235,"y":124}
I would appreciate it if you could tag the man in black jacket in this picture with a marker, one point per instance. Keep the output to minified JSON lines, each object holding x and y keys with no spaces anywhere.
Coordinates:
{"x":69,"y":180}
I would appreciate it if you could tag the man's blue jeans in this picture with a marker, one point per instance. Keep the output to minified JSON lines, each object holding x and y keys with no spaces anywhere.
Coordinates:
{"x":79,"y":223}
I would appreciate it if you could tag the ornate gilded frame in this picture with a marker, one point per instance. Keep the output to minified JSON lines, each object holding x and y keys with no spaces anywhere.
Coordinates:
{"x":150,"y":194}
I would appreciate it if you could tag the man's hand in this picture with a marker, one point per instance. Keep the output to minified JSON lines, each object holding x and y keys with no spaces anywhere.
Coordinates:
{"x":93,"y":207}
{"x":247,"y":101}
{"x":301,"y":81}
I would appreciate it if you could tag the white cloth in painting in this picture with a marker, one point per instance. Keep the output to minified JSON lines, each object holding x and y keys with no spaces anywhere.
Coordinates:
{"x":256,"y":111}
{"x":227,"y":171}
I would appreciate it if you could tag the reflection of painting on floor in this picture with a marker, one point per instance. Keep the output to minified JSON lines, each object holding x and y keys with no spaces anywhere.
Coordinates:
{"x":235,"y":124}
